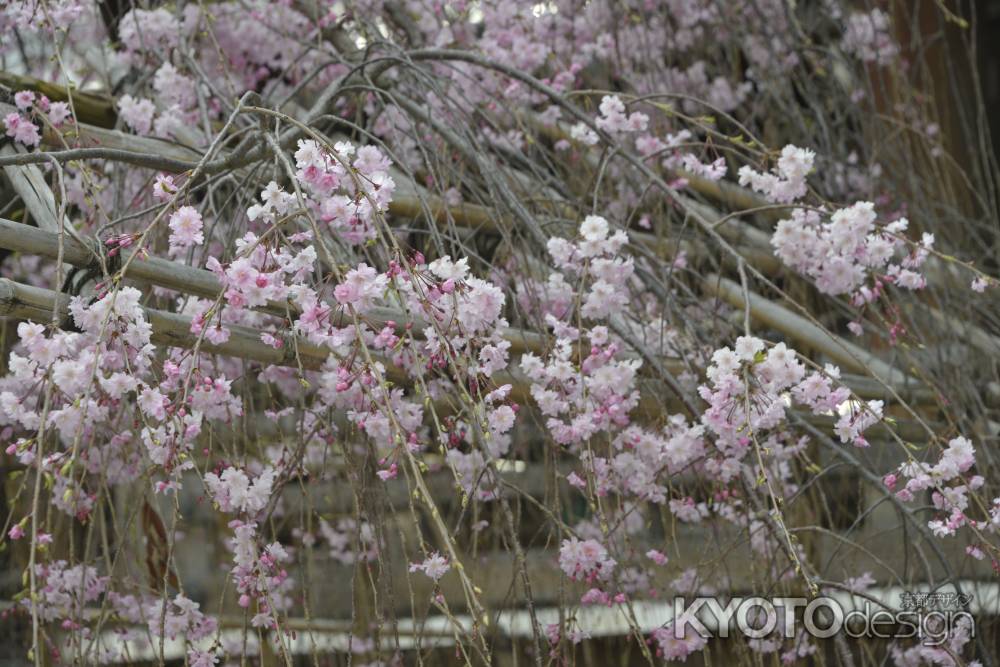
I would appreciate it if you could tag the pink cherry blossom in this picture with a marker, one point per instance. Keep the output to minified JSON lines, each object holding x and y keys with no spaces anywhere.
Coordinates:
{"x":434,"y":566}
{"x":585,"y":560}
{"x":361,"y":287}
{"x":186,"y":228}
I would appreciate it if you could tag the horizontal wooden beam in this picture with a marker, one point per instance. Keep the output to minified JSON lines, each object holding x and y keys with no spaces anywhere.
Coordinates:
{"x":89,"y":107}
{"x":799,"y":328}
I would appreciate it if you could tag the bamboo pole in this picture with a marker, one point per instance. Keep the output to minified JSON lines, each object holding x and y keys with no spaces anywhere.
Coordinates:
{"x":172,"y":275}
{"x":35,"y":303}
{"x":795,"y":326}
{"x":200,"y":282}
{"x":89,"y":107}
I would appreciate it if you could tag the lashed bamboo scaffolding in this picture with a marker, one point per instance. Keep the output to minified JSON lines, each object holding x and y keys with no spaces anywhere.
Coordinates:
{"x":413,"y":201}
{"x":171,"y":329}
{"x":203,"y":283}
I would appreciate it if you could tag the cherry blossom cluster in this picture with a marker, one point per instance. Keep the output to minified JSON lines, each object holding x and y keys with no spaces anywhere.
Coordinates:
{"x":32,"y":110}
{"x":348,"y":187}
{"x":65,"y":591}
{"x":787,"y":181}
{"x":585,"y":560}
{"x":68,"y":595}
{"x":348,"y":541}
{"x":949,"y":482}
{"x":249,"y":39}
{"x":185,"y":228}
{"x":261,"y":273}
{"x":599,"y":394}
{"x":613,"y":119}
{"x":462,"y":317}
{"x":176,"y":109}
{"x":747,"y":390}
{"x":868,"y":37}
{"x":843,"y":251}
{"x":234,"y":492}
{"x":57,"y":15}
{"x":674,"y":157}
{"x":578,"y":406}
{"x":181,"y":618}
{"x":259,"y":574}
{"x":154,"y":617}
{"x":846,"y":250}
{"x":89,"y":374}
{"x":671,"y":648}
